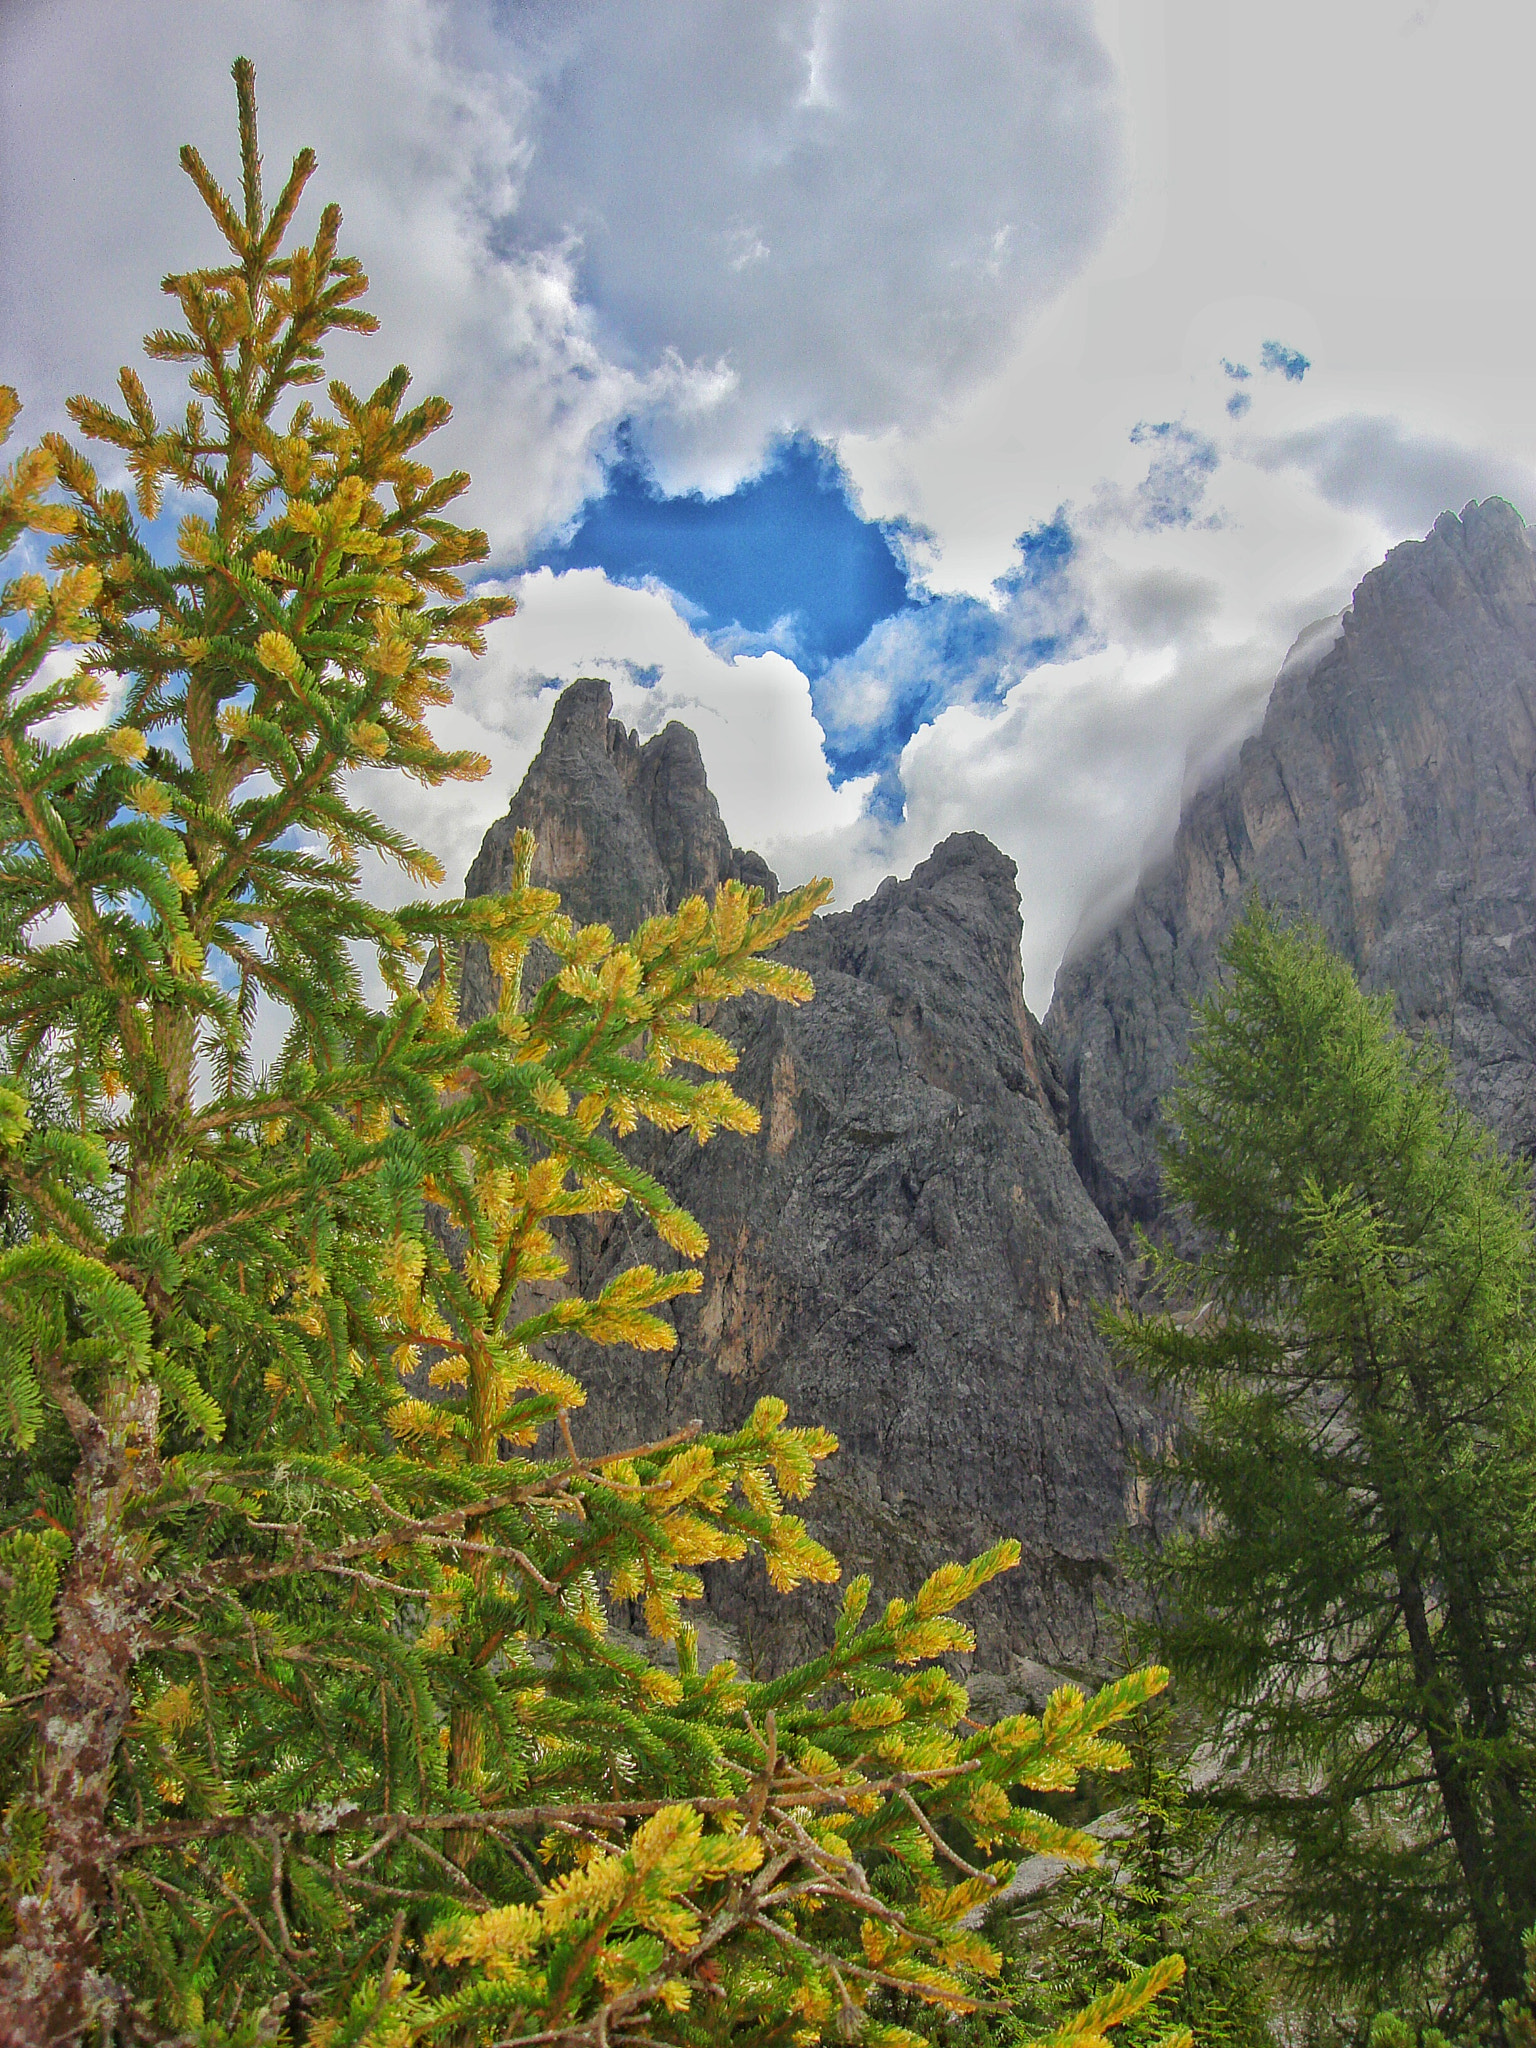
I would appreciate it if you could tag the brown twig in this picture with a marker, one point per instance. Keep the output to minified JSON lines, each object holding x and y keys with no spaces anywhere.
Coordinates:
{"x":389,"y":1970}
{"x":598,"y":1813}
{"x":938,"y":1840}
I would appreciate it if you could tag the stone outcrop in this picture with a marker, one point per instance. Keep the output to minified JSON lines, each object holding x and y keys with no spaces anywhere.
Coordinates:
{"x":624,"y":830}
{"x":1390,"y":797}
{"x":903,"y":1253}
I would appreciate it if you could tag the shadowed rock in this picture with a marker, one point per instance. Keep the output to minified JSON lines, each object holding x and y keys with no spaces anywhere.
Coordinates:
{"x":624,"y":830}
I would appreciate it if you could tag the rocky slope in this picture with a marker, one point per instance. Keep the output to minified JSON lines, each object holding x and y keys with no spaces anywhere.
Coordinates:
{"x":904,"y":1253}
{"x":1390,"y":796}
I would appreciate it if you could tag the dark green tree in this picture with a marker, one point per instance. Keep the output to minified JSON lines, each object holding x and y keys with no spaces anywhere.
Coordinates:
{"x":1152,"y":1890}
{"x":1356,"y":1600}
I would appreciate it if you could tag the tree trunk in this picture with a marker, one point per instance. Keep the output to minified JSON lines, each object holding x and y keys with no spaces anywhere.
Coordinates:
{"x":1498,"y":1944}
{"x":52,"y":1985}
{"x":1512,"y":1835}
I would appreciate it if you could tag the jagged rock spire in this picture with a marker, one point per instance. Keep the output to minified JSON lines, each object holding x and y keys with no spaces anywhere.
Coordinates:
{"x":903,"y":1253}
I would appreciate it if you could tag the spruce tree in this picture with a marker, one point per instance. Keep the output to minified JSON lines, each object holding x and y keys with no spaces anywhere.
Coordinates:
{"x":1356,"y":1598}
{"x":310,"y":1718}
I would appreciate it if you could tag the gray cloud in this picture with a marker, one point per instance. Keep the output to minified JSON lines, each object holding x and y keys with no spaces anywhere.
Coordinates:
{"x":1371,"y":462}
{"x":718,"y":219}
{"x":855,"y":203}
{"x":1159,"y":606}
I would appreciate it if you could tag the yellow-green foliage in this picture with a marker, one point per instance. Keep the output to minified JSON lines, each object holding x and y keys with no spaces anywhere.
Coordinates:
{"x":310,"y":1714}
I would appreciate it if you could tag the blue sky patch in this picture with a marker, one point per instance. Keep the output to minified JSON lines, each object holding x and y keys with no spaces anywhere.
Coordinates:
{"x":1181,"y":464}
{"x":949,"y":650}
{"x":1044,"y":552}
{"x":785,"y":560}
{"x":1290,"y":362}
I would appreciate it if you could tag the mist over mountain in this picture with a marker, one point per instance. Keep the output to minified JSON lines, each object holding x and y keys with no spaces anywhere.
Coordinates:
{"x":1390,"y":797}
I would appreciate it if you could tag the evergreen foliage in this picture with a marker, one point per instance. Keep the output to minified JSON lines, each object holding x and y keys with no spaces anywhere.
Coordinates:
{"x":310,"y":1717}
{"x":1151,"y":1892}
{"x":1517,"y":2018}
{"x":1357,"y":1605}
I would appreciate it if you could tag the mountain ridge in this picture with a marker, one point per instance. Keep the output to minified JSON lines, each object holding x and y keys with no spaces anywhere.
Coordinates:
{"x":903,"y":1252}
{"x":1390,"y":795}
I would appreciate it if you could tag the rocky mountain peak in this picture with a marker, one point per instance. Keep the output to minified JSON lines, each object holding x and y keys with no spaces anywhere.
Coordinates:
{"x":1389,"y":796}
{"x":628,"y":824}
{"x":943,"y":946}
{"x":626,"y":829}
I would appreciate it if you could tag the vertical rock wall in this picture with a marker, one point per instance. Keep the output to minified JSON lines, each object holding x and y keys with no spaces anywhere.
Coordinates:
{"x":1390,"y":797}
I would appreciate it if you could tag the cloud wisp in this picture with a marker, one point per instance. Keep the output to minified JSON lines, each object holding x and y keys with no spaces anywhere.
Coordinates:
{"x":1376,"y":463}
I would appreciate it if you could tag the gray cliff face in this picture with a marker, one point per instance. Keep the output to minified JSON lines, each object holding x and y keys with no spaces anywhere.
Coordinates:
{"x":904,"y":1253}
{"x":1390,"y":797}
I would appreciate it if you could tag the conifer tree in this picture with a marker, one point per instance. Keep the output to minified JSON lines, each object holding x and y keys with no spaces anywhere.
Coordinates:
{"x":1357,"y":1602}
{"x":310,"y":1720}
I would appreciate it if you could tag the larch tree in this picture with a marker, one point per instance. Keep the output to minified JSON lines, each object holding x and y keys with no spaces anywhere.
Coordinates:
{"x":1355,"y":1599}
{"x":310,"y":1718}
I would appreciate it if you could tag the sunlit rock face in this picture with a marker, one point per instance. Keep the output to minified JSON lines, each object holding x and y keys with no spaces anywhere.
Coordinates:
{"x":1389,"y":796}
{"x":903,"y":1253}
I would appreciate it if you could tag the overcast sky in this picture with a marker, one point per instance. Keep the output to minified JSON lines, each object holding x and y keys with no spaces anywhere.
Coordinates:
{"x":953,"y":412}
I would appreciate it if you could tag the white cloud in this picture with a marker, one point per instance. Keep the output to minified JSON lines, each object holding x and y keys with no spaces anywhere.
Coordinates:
{"x":1378,"y":158}
{"x":877,"y":221}
{"x":424,"y":149}
{"x":1078,"y":775}
{"x":721,"y":220}
{"x":1391,"y":248}
{"x":1078,"y":768}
